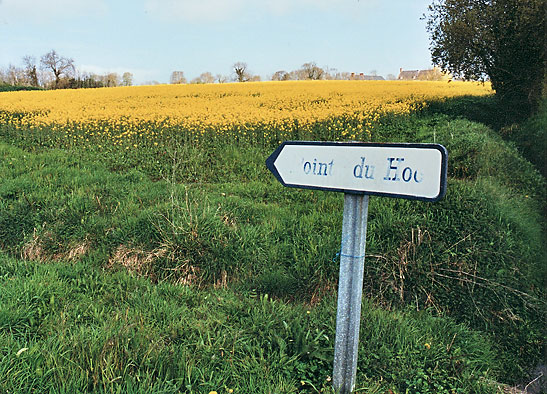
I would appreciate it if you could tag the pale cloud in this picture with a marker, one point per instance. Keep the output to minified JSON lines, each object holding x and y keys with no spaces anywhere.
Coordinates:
{"x":220,"y":10}
{"x":50,"y":10}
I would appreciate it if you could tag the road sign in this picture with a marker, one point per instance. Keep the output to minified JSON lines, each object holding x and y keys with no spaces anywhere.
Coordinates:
{"x":412,"y":171}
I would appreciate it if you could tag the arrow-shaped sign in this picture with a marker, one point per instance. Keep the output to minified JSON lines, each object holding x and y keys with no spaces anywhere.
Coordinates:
{"x":412,"y":171}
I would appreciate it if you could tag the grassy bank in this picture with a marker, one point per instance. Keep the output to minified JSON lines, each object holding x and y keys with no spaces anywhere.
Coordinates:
{"x":195,"y":271}
{"x":72,"y":328}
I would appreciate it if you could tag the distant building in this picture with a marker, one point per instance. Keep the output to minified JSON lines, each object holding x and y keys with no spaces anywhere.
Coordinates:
{"x":433,"y":74}
{"x":408,"y":75}
{"x":363,"y":77}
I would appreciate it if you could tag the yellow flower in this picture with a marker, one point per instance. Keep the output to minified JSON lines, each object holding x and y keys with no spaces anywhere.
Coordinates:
{"x":262,"y":112}
{"x":427,"y":346}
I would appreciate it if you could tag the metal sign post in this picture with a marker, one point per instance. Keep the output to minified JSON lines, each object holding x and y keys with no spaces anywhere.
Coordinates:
{"x":411,"y":171}
{"x":350,"y":291}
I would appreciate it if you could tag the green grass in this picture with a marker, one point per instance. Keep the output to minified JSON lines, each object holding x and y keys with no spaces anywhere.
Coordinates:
{"x":127,"y":273}
{"x":73,"y":328}
{"x":531,"y":138}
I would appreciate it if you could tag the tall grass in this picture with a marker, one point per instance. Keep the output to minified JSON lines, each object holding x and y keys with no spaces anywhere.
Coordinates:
{"x":71,"y":328}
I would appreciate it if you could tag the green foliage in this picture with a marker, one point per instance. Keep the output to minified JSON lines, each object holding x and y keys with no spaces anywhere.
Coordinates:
{"x":4,"y":87}
{"x":499,"y":40}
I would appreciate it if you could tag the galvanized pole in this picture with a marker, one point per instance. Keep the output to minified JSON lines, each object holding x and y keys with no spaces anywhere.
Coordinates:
{"x":350,"y":291}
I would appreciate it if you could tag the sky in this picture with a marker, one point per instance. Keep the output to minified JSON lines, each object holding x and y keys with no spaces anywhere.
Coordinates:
{"x":153,"y":38}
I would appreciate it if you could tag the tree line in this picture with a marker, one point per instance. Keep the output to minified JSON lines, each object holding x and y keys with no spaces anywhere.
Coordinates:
{"x":241,"y":73}
{"x":54,"y":71}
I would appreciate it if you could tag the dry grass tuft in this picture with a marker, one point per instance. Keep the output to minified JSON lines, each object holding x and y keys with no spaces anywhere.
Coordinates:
{"x":75,"y":253}
{"x":142,"y":263}
{"x":222,"y":282}
{"x":35,"y":249}
{"x":135,"y":260}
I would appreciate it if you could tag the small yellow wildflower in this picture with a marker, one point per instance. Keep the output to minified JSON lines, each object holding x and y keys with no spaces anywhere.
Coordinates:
{"x":427,"y":346}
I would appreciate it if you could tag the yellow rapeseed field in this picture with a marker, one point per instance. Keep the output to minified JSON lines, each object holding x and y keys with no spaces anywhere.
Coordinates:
{"x":263,"y":111}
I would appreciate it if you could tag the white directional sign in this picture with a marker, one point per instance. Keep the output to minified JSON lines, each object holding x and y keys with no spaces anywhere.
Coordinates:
{"x":413,"y":171}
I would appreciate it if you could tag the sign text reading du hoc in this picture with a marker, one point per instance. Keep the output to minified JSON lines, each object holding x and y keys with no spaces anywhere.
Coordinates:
{"x":413,"y":171}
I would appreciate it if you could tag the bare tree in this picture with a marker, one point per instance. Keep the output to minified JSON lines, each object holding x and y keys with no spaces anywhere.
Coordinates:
{"x":280,"y":75}
{"x":207,"y":77}
{"x":177,"y":77}
{"x":31,"y":73}
{"x":312,"y":71}
{"x":127,"y":79}
{"x":15,"y":75}
{"x":344,"y":75}
{"x":112,"y":80}
{"x":295,"y":75}
{"x":330,"y":73}
{"x":221,"y":78}
{"x":241,"y":73}
{"x":58,"y":65}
